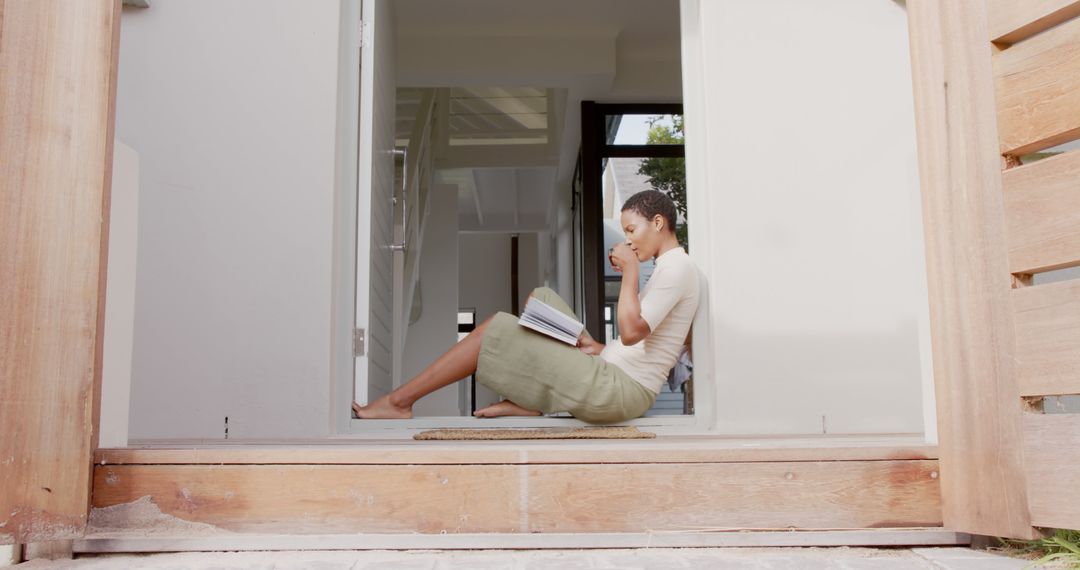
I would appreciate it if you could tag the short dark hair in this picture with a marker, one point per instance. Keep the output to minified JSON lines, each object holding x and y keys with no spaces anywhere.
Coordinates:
{"x":649,"y":203}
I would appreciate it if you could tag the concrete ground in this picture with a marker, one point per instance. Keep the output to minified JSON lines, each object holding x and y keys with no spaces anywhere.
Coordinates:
{"x":944,"y":558}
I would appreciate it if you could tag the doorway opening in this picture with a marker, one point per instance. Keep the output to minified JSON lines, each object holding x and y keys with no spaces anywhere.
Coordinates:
{"x":497,"y":136}
{"x":249,"y":253}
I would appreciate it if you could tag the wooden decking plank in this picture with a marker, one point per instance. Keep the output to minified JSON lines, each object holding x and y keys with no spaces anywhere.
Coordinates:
{"x":306,"y":499}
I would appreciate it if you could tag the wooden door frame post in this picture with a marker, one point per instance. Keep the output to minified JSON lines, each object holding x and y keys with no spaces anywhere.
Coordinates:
{"x":983,"y":484}
{"x":58,"y":66}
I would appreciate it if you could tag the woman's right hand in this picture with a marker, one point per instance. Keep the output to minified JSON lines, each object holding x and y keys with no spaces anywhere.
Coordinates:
{"x":622,"y":258}
{"x":588,"y":345}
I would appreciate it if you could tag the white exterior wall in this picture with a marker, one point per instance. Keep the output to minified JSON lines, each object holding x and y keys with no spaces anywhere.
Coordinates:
{"x":805,"y":214}
{"x":807,"y":221}
{"x":231,"y":107}
{"x":120,"y":300}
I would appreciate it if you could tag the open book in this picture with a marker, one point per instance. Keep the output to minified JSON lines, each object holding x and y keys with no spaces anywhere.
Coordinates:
{"x":543,"y":318}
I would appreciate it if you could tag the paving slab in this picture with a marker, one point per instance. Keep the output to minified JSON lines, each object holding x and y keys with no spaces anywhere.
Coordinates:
{"x":841,"y":558}
{"x":969,"y":559}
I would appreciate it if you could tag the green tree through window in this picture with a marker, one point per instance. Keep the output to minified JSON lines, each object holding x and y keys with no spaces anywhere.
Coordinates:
{"x":668,"y":174}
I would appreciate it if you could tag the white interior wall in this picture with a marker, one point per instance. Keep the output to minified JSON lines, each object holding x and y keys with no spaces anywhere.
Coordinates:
{"x":484,"y":283}
{"x":563,"y":275}
{"x":528,"y":266}
{"x":435,"y":331}
{"x":484,"y":279}
{"x":805,"y":214}
{"x":545,"y":258}
{"x":231,"y":107}
{"x":485,"y":270}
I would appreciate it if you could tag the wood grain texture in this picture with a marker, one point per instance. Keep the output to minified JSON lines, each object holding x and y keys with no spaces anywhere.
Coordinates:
{"x":1042,"y":212}
{"x":1053,"y":455}
{"x":1048,"y":338}
{"x":877,"y":494}
{"x":1013,"y":20}
{"x":978,"y":411}
{"x":57,"y":87}
{"x":662,"y":450}
{"x":310,"y":499}
{"x":1038,"y":90}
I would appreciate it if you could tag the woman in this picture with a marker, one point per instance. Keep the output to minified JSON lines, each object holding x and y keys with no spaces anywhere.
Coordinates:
{"x":596,"y":383}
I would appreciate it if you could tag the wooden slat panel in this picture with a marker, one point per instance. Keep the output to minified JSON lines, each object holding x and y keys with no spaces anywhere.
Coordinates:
{"x":662,"y":450}
{"x":1042,"y":213}
{"x":978,"y":412}
{"x":1038,"y":90}
{"x":306,"y":499}
{"x":1048,"y":338}
{"x":1015,"y":20}
{"x":1052,"y":448}
{"x":57,"y":85}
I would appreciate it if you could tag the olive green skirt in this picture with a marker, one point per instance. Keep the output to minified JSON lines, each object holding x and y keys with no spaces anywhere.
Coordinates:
{"x":540,"y":373}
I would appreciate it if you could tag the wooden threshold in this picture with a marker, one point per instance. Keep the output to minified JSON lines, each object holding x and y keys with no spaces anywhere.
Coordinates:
{"x":281,"y":542}
{"x":664,"y":449}
{"x":670,"y":484}
{"x":433,"y":499}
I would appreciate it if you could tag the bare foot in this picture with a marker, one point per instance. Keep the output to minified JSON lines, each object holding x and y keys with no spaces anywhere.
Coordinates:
{"x":504,"y":408}
{"x":382,"y":409}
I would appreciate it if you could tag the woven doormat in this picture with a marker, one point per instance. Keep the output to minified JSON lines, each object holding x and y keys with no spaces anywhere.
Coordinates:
{"x":604,"y":432}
